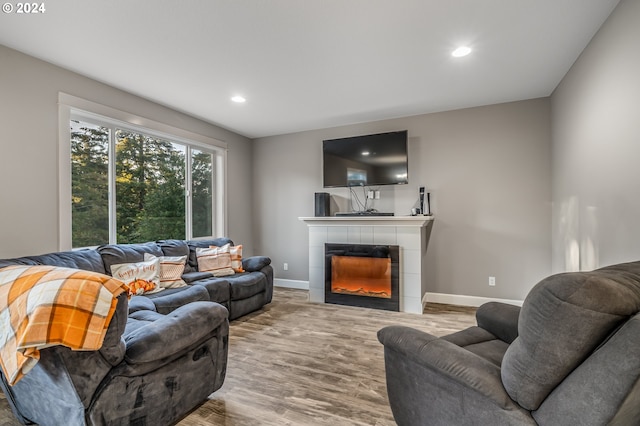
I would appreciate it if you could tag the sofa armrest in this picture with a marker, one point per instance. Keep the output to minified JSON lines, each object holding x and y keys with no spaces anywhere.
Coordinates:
{"x":255,"y":263}
{"x":433,"y":381}
{"x":175,"y":332}
{"x":457,"y":365}
{"x":499,"y":319}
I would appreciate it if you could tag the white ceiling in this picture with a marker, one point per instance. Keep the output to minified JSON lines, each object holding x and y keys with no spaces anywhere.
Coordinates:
{"x":309,"y":64}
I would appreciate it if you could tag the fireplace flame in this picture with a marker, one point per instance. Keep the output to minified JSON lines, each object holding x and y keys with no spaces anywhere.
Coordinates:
{"x":361,"y":276}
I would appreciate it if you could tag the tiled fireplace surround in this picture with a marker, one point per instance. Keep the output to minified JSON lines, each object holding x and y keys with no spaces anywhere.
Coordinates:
{"x":410,"y":233}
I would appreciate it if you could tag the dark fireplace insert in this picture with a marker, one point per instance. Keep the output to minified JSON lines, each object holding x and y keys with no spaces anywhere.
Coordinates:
{"x":362,"y":275}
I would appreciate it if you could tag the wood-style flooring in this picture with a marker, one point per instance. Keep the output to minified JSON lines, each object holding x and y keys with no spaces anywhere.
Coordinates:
{"x":300,"y":363}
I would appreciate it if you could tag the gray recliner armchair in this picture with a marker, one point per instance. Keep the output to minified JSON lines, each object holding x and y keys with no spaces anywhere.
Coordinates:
{"x":569,"y":356}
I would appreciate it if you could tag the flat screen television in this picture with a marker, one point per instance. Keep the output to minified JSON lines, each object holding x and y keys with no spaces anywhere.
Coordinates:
{"x":369,"y":160}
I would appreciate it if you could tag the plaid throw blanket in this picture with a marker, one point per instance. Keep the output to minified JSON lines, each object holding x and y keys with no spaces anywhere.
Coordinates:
{"x":42,"y":306}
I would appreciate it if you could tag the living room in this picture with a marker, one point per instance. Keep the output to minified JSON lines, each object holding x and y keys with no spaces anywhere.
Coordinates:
{"x":519,"y":189}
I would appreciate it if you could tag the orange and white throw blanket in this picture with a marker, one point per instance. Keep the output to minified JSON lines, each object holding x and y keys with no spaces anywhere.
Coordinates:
{"x":42,"y":306}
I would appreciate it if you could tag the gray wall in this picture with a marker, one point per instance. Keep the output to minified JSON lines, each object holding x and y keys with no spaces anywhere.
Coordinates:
{"x":488,"y":170}
{"x":596,"y":149}
{"x":29,"y":151}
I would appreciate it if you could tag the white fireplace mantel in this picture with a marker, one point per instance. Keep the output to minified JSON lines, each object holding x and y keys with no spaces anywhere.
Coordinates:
{"x":407,"y":232}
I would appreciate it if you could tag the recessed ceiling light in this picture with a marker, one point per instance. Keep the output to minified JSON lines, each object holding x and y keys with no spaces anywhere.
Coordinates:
{"x":461,"y":51}
{"x":365,"y":153}
{"x":238,"y":99}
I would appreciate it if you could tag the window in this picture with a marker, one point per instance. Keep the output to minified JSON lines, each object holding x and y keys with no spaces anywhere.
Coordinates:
{"x":202,"y":192}
{"x":131,"y":184}
{"x":89,"y":184}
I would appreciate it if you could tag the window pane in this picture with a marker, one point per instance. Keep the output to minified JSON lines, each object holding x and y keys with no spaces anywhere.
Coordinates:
{"x":202,"y":197}
{"x":150,"y":200}
{"x":89,"y":184}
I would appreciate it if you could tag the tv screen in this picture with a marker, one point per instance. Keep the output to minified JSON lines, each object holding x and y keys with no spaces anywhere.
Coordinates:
{"x":369,"y":160}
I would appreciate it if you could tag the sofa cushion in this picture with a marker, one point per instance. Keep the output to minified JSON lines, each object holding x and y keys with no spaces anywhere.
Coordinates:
{"x":18,"y":261}
{"x":113,"y":254}
{"x":192,"y":277}
{"x":176,"y":248}
{"x":217,"y":288}
{"x":87,"y":259}
{"x":561,"y":322}
{"x":246,"y":285}
{"x":157,"y":336}
{"x":171,"y":298}
{"x":603,"y":390}
{"x":238,"y":308}
{"x":480,"y":342}
{"x":140,"y":318}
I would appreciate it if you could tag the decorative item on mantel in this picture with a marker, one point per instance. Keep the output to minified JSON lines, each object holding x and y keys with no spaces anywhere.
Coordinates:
{"x":422,"y":209}
{"x":409,"y":233}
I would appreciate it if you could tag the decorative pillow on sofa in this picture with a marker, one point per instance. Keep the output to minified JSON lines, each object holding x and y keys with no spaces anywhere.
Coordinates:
{"x":171,"y":269}
{"x":216,"y":260}
{"x":236,"y":257}
{"x":140,"y":277}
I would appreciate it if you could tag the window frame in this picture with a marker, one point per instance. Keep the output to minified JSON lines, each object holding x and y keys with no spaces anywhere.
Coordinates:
{"x":73,"y":108}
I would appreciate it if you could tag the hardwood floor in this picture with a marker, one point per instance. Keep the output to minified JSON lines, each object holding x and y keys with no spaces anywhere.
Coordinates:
{"x":298,"y":363}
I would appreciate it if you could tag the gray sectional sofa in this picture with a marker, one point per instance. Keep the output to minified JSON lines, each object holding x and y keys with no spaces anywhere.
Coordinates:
{"x":163,"y":353}
{"x":239,"y":293}
{"x":569,"y":356}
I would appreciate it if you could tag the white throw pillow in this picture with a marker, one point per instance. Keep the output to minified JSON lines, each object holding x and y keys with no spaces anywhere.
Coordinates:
{"x":216,"y":260}
{"x":171,"y":269}
{"x":140,"y":277}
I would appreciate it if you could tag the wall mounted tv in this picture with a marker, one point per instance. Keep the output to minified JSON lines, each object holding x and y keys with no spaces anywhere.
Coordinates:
{"x":368,"y":160}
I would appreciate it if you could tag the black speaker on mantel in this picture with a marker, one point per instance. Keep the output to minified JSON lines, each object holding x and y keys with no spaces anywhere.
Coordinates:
{"x":323,"y":202}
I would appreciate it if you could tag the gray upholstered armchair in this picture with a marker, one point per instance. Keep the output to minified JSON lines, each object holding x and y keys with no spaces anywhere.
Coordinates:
{"x":152,"y":369}
{"x":569,"y":356}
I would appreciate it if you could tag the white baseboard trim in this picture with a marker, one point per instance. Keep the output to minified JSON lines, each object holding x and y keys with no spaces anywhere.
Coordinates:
{"x":462,"y":300}
{"x":281,"y":282}
{"x":448,"y":299}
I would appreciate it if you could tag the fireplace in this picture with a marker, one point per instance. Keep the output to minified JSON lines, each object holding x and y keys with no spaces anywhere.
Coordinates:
{"x":362,"y":275}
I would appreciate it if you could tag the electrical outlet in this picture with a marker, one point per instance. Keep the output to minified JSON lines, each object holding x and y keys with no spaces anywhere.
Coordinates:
{"x":285,"y":266}
{"x":370,"y":195}
{"x":377,"y":196}
{"x":492,"y":281}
